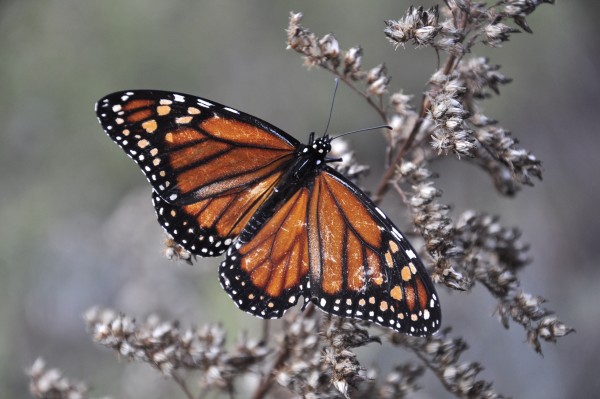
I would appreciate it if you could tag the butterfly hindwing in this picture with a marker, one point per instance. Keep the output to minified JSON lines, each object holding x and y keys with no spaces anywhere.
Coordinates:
{"x":266,"y":270}
{"x":207,"y":227}
{"x":361,"y":266}
{"x":210,"y":165}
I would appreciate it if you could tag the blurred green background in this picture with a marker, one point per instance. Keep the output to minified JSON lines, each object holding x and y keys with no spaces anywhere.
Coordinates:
{"x":77,"y":227}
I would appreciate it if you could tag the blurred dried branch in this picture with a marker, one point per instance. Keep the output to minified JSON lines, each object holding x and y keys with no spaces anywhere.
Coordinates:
{"x":166,"y":347}
{"x":441,"y":354}
{"x":51,"y":384}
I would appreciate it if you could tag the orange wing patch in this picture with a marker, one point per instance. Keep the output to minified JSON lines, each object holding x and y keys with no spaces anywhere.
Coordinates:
{"x":136,"y":104}
{"x":141,"y":105}
{"x":231,"y":217}
{"x":213,"y":176}
{"x":356,"y":268}
{"x":211,"y":224}
{"x":243,"y":134}
{"x":335,"y":213}
{"x":361,"y":266}
{"x":207,"y":164}
{"x":354,"y":211}
{"x":268,"y":274}
{"x":276,"y":258}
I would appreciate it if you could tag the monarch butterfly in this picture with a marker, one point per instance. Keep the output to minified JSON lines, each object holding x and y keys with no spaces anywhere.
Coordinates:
{"x":292,"y":226}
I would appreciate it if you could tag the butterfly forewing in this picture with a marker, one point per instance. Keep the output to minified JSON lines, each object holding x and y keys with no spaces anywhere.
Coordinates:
{"x":210,"y":166}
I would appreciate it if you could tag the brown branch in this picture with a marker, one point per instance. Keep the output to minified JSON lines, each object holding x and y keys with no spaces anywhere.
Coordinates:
{"x":384,"y":183}
{"x":181,"y":382}
{"x":267,"y":381}
{"x":380,"y":111}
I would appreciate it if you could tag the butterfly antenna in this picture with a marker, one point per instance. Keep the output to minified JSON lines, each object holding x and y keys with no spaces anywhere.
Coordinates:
{"x":362,"y":130}
{"x":337,"y":83}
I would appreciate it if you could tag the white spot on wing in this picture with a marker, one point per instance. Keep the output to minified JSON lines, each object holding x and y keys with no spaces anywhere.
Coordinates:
{"x":397,"y":234}
{"x":426,"y":314}
{"x":204,"y":103}
{"x":231,"y":110}
{"x":410,"y":254}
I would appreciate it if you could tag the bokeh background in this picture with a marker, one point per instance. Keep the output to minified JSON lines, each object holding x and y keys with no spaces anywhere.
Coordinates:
{"x":77,"y":227}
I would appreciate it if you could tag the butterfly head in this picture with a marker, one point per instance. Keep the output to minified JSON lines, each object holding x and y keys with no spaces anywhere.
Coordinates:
{"x":317,"y":149}
{"x":322,"y":145}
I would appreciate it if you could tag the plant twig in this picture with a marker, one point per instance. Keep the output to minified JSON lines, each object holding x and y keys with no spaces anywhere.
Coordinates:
{"x":181,"y":382}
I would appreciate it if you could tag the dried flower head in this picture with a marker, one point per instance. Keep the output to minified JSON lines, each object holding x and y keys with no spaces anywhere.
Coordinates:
{"x":164,"y":346}
{"x":330,"y":48}
{"x":538,"y":321}
{"x":51,"y":384}
{"x":478,"y":75}
{"x":174,"y":251}
{"x":323,"y":364}
{"x":497,"y":33}
{"x":325,"y":53}
{"x":348,"y":166}
{"x":377,"y":80}
{"x":509,"y":165}
{"x":519,"y":9}
{"x":352,"y":63}
{"x":442,"y":354}
{"x":433,"y":222}
{"x":418,"y":25}
{"x":492,"y":255}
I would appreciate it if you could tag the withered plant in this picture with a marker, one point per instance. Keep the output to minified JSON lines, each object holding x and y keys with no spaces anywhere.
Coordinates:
{"x":312,"y":356}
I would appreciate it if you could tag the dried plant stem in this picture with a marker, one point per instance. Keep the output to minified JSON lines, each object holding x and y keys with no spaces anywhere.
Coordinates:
{"x":265,"y":330}
{"x":384,"y":182}
{"x":282,"y":356}
{"x":436,"y":370}
{"x":378,"y":108}
{"x":439,"y":373}
{"x":267,"y":381}
{"x":181,"y":382}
